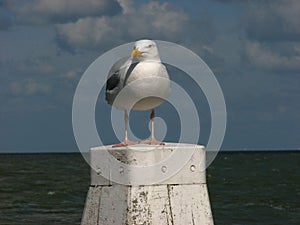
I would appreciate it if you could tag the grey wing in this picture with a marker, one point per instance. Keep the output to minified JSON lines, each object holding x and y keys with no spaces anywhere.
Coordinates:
{"x":115,"y":79}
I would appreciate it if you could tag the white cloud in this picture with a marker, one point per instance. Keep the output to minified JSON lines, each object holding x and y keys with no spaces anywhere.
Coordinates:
{"x":150,"y":20}
{"x":126,"y":5}
{"x":267,"y":58}
{"x":34,"y":66}
{"x":29,"y":87}
{"x":85,"y":32}
{"x":74,"y":73}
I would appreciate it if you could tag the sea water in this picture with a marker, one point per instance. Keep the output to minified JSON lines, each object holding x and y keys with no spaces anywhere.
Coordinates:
{"x":244,"y":188}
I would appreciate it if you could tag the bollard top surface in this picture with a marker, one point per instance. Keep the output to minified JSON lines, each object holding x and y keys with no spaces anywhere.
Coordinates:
{"x":146,"y":147}
{"x":147,"y":165}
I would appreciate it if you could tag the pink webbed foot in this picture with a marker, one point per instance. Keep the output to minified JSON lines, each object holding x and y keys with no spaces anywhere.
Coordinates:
{"x":125,"y":143}
{"x":152,"y":141}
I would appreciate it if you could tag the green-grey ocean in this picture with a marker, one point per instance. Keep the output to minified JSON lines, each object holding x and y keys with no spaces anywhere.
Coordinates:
{"x":244,"y":188}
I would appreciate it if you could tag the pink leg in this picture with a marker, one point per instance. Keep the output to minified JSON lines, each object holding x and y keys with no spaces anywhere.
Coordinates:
{"x":126,"y":142}
{"x":152,"y":140}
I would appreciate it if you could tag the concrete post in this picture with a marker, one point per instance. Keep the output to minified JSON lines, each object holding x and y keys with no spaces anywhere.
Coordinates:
{"x":179,"y":198}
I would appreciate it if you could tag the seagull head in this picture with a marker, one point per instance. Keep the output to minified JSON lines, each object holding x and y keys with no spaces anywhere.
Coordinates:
{"x":145,"y":50}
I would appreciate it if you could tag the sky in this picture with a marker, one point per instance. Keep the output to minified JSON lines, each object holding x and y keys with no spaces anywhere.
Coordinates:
{"x":252,"y":47}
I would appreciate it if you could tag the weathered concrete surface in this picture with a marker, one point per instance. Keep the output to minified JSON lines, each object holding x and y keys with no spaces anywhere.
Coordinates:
{"x":148,"y":205}
{"x":179,"y":200}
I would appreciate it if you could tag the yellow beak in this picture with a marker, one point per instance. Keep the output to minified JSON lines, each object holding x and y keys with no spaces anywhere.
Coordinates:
{"x":136,"y":53}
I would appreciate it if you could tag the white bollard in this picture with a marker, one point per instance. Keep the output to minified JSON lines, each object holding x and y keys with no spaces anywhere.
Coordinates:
{"x":180,"y":199}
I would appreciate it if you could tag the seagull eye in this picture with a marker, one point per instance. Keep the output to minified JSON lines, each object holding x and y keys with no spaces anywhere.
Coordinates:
{"x":150,"y":46}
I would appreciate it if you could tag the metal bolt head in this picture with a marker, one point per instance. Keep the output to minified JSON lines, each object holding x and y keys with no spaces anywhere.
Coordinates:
{"x":192,"y":168}
{"x":164,"y":169}
{"x":98,"y":171}
{"x":121,"y":170}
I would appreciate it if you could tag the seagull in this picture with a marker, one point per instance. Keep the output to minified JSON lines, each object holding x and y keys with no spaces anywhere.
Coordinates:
{"x":138,"y":82}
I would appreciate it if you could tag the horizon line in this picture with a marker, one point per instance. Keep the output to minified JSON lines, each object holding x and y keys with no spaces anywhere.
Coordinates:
{"x":221,"y":150}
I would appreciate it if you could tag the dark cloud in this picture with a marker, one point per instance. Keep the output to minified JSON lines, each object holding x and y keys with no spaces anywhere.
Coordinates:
{"x":273,"y":32}
{"x":273,"y":20}
{"x":269,"y":20}
{"x":270,"y":33}
{"x":59,"y":11}
{"x":6,"y":19}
